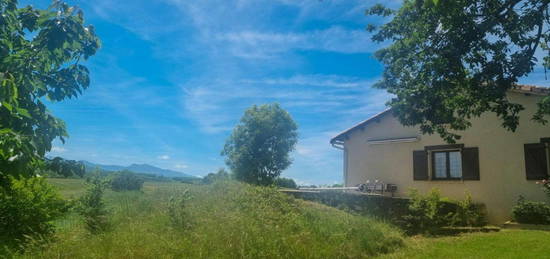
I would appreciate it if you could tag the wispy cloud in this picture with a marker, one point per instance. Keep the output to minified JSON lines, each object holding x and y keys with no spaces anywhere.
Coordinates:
{"x":164,"y":157}
{"x":181,"y":166}
{"x":216,"y":105}
{"x":255,"y":44}
{"x":337,"y":81}
{"x":56,"y":149}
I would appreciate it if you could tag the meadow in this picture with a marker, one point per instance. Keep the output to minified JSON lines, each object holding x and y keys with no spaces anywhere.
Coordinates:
{"x":228,"y":219}
{"x":222,"y":220}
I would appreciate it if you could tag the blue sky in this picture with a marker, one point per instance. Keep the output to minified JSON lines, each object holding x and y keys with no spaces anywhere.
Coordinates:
{"x":174,"y":76}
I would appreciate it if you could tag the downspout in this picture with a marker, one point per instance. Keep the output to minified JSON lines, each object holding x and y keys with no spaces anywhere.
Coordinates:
{"x":340,"y":145}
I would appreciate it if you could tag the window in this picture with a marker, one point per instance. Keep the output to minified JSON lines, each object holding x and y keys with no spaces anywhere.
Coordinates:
{"x":446,"y":162}
{"x":447,"y":165}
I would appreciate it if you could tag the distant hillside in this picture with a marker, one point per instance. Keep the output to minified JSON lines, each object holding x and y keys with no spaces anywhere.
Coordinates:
{"x":137,"y":168}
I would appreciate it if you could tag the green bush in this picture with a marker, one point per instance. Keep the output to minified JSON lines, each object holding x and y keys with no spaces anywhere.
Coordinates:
{"x":285,"y":183}
{"x":92,"y":208}
{"x":468,"y":214}
{"x":177,"y":210}
{"x":546,"y":186}
{"x":27,"y":208}
{"x":530,"y":212}
{"x":427,"y":213}
{"x":126,"y":181}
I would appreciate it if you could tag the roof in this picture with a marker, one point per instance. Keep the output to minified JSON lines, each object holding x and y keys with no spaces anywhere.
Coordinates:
{"x":526,"y":89}
{"x":362,"y":124}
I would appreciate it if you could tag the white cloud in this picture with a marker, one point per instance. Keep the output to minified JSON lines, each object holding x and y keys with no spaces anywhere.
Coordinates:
{"x":181,"y":166}
{"x":164,"y":157}
{"x":316,"y":80}
{"x":216,"y":105}
{"x":255,"y":44}
{"x":56,"y":149}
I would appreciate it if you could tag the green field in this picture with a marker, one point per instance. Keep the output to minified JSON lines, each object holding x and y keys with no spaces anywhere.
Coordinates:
{"x":227,"y":220}
{"x":233,"y":220}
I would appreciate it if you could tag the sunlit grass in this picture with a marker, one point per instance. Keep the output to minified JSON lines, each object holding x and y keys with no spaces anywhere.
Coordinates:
{"x":228,"y":220}
{"x":503,"y":244}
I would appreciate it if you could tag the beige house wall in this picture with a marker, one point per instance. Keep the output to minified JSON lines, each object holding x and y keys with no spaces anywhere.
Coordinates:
{"x":501,"y":159}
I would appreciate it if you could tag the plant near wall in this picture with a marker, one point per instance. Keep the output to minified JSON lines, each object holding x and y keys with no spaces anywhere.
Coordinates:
{"x":546,"y":186}
{"x":531,"y":212}
{"x":426,"y":213}
{"x":468,"y":214}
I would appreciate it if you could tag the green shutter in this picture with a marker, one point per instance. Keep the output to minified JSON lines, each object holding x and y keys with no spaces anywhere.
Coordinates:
{"x":536,"y":163}
{"x":470,"y":163}
{"x":420,"y":165}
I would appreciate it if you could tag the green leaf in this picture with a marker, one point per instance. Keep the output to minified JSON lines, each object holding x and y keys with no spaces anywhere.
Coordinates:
{"x":8,"y":106}
{"x":24,"y":112}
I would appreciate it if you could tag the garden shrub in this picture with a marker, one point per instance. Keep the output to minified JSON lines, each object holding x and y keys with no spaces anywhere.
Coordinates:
{"x":92,"y":207}
{"x":427,"y":213}
{"x":531,"y":212}
{"x":28,"y":207}
{"x":468,"y":214}
{"x":126,"y":181}
{"x":546,"y":186}
{"x":177,"y":210}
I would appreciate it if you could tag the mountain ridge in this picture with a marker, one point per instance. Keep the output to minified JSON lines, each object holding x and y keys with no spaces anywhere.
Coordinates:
{"x":137,"y":168}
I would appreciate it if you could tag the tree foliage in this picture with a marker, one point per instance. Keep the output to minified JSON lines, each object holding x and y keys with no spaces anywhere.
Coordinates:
{"x":285,"y":183}
{"x":221,"y":175}
{"x":450,"y":61}
{"x":40,"y":59}
{"x":63,"y":167}
{"x":28,"y":208}
{"x":126,"y":181}
{"x":258,"y":149}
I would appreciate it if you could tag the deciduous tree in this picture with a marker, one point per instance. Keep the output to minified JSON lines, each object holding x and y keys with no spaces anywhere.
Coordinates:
{"x":450,"y":61}
{"x":258,"y":149}
{"x":41,"y":52}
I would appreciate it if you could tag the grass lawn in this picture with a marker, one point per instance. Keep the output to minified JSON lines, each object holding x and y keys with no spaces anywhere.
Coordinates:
{"x":503,"y":244}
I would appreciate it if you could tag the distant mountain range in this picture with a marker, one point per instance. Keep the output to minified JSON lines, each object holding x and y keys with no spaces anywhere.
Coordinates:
{"x":137,"y":168}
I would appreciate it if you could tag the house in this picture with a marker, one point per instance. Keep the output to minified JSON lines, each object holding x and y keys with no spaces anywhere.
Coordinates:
{"x":493,"y":165}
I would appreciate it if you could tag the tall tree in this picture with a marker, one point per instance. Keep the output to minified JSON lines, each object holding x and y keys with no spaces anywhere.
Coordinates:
{"x":40,"y":59}
{"x":258,"y":149}
{"x":450,"y":61}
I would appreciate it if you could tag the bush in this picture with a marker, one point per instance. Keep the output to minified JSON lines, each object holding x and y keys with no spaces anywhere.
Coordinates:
{"x":285,"y":183}
{"x":427,"y":213}
{"x":92,"y":207}
{"x":27,"y":208}
{"x":468,"y":214}
{"x":177,"y":210}
{"x":126,"y":181}
{"x":530,"y":212}
{"x":546,"y":186}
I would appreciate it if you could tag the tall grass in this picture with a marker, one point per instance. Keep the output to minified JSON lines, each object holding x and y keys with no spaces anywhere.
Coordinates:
{"x":225,"y":220}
